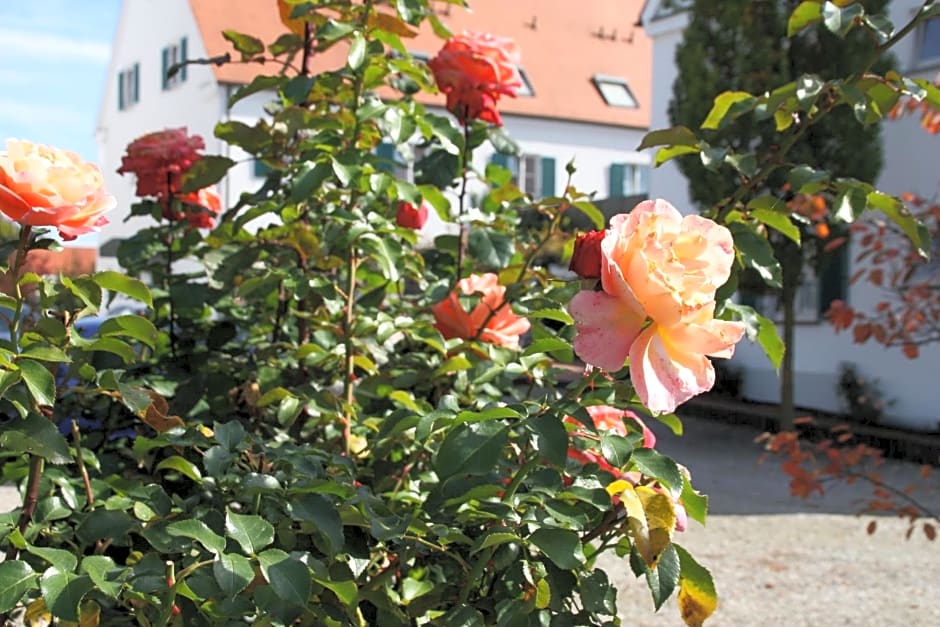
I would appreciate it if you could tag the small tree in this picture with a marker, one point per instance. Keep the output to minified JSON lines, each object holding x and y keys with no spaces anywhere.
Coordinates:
{"x":742,"y":45}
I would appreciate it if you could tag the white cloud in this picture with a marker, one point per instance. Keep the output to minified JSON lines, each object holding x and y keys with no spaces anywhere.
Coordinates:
{"x":38,"y":44}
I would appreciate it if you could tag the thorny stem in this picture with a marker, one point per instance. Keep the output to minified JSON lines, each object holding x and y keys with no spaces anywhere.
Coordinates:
{"x":350,"y":369}
{"x":463,"y":240}
{"x":77,"y":437}
{"x":167,"y":284}
{"x":30,"y":500}
{"x":18,"y":261}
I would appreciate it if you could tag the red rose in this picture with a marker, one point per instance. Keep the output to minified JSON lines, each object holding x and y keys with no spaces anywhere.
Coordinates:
{"x":204,"y":206}
{"x":474,"y":70}
{"x":411,"y":218}
{"x":586,"y":258}
{"x":160,"y":159}
{"x":492,"y":319}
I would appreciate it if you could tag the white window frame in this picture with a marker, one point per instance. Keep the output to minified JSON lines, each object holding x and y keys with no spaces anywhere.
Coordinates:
{"x":128,"y":87}
{"x":173,"y":54}
{"x":612,"y":88}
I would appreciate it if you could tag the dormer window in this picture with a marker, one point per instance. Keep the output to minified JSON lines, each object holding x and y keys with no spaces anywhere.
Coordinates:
{"x":128,"y":87}
{"x":526,"y":89}
{"x":173,"y":74}
{"x":614,"y":91}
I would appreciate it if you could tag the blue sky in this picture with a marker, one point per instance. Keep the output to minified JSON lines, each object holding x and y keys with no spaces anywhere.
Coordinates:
{"x":53,"y":62}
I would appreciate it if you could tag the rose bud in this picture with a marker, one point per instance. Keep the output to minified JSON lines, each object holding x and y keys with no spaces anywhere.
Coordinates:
{"x":586,"y":258}
{"x":411,"y":218}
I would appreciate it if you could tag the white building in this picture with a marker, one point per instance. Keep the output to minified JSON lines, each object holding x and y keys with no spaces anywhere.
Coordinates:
{"x":910,"y":165}
{"x":590,"y":102}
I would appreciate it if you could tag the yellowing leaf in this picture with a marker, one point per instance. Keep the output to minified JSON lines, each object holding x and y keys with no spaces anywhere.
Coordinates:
{"x":391,"y":24}
{"x":618,"y":486}
{"x":90,"y":616}
{"x":651,"y":518}
{"x":697,"y":597}
{"x":37,"y":615}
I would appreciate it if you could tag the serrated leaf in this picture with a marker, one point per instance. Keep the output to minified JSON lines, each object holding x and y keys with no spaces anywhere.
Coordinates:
{"x":199,"y":531}
{"x":289,"y":578}
{"x":232,"y":572}
{"x":731,"y":103}
{"x":123,"y":284}
{"x":16,"y":579}
{"x":697,"y":596}
{"x":675,"y":136}
{"x":654,"y":464}
{"x":102,"y":571}
{"x":63,"y":560}
{"x":39,"y":381}
{"x":895,"y":210}
{"x":695,"y":503}
{"x":663,"y":579}
{"x":247,"y":45}
{"x":806,"y":14}
{"x":471,"y":448}
{"x":252,"y":532}
{"x":561,"y":546}
{"x":63,"y":591}
{"x":34,"y":434}
{"x":208,"y":170}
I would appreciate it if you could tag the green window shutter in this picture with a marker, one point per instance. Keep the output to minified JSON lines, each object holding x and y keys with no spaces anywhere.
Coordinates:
{"x":121,"y":95}
{"x":548,"y":177}
{"x":183,"y":58}
{"x":387,"y":157}
{"x":500,"y":159}
{"x":833,"y":275}
{"x":135,"y":96}
{"x":617,"y":173}
{"x":644,"y":187}
{"x":261,"y":168}
{"x":165,"y":66}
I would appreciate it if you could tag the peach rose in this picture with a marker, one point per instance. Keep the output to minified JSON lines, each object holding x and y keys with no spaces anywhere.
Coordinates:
{"x":474,"y":70}
{"x":659,"y":275}
{"x":492,"y":320}
{"x":45,"y":186}
{"x":607,"y":418}
{"x":204,"y":206}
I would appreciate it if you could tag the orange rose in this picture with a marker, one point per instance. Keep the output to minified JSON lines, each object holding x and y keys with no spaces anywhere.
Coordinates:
{"x":45,"y":186}
{"x":474,"y":70}
{"x":492,"y":320}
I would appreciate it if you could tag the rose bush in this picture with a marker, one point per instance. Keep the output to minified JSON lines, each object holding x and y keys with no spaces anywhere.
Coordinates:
{"x":318,"y":422}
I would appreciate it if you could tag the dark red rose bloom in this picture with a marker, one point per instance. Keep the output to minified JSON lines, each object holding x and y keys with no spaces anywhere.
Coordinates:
{"x":586,"y":258}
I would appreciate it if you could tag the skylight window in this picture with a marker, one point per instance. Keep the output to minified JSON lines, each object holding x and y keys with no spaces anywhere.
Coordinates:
{"x":526,"y":89}
{"x":614,"y":91}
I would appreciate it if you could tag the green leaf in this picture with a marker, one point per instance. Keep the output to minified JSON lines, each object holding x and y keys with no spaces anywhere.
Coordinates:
{"x":778,"y":221}
{"x":807,"y":13}
{"x":551,"y":438}
{"x":895,"y":210}
{"x":247,"y":45}
{"x":132,"y":326}
{"x":290,"y":579}
{"x":104,"y":523}
{"x":850,"y":204}
{"x":345,"y":591}
{"x":671,"y":152}
{"x":16,"y":579}
{"x":558,"y":315}
{"x":123,"y":284}
{"x":357,"y":52}
{"x":310,"y":179}
{"x":675,"y":136}
{"x":199,"y":531}
{"x":232,"y":572}
{"x":756,"y":252}
{"x":39,"y":381}
{"x":103,"y":572}
{"x":258,"y":84}
{"x":597,"y":593}
{"x":616,"y":449}
{"x":63,"y":591}
{"x":590,"y":210}
{"x":561,"y":347}
{"x":492,"y":249}
{"x":252,"y":532}
{"x":35,"y":435}
{"x":437,"y":199}
{"x":60,"y":559}
{"x":320,"y":511}
{"x":463,"y":616}
{"x":493,"y":538}
{"x":471,"y":448}
{"x":449,"y":135}
{"x":840,"y":20}
{"x":491,"y":413}
{"x":561,"y":546}
{"x":806,"y":180}
{"x":501,"y":141}
{"x":182,"y":466}
{"x":695,"y":503}
{"x":208,"y":170}
{"x":732,"y":103}
{"x":654,"y":464}
{"x":45,"y":352}
{"x":761,"y":330}
{"x":697,"y":596}
{"x":662,"y":579}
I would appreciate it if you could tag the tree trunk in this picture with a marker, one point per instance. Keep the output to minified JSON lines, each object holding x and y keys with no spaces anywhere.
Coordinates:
{"x":787,"y":401}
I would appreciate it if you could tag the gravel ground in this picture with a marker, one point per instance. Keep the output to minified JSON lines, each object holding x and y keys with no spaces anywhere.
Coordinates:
{"x":777,"y":560}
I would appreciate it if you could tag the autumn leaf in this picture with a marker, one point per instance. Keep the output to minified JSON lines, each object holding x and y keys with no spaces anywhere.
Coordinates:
{"x":697,"y":596}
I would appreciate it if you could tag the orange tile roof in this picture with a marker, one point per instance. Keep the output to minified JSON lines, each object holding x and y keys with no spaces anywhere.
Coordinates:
{"x":561,"y":50}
